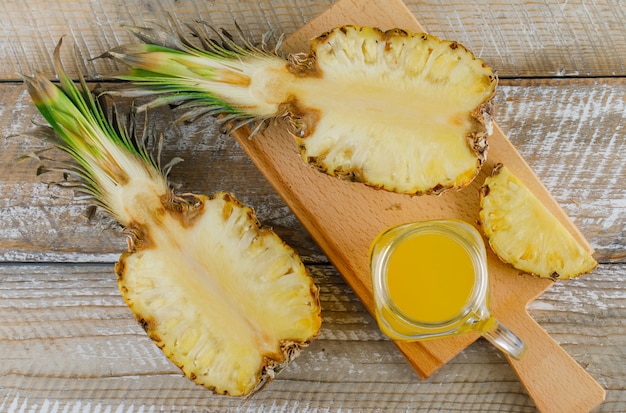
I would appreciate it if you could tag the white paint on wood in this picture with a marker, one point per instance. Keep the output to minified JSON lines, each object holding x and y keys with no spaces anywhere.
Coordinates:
{"x":68,"y":342}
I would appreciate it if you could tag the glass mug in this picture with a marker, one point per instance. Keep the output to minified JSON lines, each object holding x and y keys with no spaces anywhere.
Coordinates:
{"x":430,"y":280}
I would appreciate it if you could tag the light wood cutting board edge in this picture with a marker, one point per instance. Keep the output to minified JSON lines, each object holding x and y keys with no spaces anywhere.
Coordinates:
{"x":276,"y":156}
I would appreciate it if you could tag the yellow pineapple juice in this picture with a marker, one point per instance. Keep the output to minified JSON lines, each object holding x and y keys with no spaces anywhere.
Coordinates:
{"x":430,"y":277}
{"x":430,"y":280}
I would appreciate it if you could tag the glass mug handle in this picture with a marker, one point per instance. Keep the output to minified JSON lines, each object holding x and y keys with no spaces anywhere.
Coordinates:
{"x":504,"y":339}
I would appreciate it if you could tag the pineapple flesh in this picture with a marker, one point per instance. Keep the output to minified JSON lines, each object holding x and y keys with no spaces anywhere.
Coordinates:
{"x":225,"y":299}
{"x":522,"y":232}
{"x":405,"y":112}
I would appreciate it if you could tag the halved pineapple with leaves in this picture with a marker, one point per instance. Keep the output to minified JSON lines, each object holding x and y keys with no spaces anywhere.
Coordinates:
{"x":226,"y":300}
{"x":522,"y":232}
{"x":402,"y":111}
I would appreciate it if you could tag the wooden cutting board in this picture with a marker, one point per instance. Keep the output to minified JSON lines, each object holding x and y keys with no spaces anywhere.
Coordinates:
{"x":344,"y":218}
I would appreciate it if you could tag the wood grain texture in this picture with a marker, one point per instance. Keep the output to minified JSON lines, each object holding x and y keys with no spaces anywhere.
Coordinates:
{"x":67,"y":341}
{"x":517,"y":38}
{"x":51,"y":208}
{"x":577,"y":124}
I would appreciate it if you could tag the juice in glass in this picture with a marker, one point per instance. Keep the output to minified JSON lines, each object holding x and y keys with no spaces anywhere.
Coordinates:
{"x":430,"y":280}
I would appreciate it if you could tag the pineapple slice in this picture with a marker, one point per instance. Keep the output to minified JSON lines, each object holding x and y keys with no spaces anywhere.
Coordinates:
{"x":522,"y":232}
{"x":226,"y":301}
{"x":406,"y":112}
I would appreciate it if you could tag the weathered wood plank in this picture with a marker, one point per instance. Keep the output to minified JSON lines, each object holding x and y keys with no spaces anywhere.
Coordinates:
{"x":68,"y":342}
{"x":571,"y":132}
{"x":574,"y":137}
{"x":534,"y":38}
{"x":517,"y":38}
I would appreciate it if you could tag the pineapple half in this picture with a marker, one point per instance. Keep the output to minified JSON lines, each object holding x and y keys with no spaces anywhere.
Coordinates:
{"x":226,"y":300}
{"x":522,"y":232}
{"x":406,"y":112}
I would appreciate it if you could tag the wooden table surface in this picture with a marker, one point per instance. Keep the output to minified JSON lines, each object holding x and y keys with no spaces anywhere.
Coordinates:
{"x":68,"y":343}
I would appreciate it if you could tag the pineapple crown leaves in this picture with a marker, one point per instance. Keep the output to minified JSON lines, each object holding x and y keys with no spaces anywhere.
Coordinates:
{"x":101,"y":146}
{"x":177,"y":72}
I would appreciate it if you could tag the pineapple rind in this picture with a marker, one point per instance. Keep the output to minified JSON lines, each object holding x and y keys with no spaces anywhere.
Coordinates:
{"x":522,"y":232}
{"x":226,"y":301}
